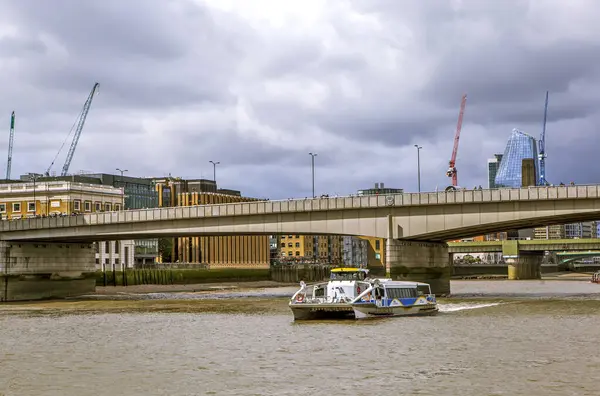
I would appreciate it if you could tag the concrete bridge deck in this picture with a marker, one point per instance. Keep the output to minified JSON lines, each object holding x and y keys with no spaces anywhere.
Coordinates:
{"x":573,"y":245}
{"x":432,"y":217}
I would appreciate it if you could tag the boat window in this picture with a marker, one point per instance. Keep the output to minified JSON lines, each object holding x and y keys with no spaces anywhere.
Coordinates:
{"x":401,"y":292}
{"x":346,"y":276}
{"x":423,"y":290}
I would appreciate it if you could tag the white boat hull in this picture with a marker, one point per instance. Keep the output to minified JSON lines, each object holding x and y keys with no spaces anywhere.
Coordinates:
{"x":362,"y":311}
{"x":308,"y":311}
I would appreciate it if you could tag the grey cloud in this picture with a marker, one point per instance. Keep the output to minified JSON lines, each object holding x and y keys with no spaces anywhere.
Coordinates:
{"x":163,"y":65}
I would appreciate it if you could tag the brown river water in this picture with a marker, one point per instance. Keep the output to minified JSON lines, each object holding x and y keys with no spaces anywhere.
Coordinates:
{"x":491,"y":338}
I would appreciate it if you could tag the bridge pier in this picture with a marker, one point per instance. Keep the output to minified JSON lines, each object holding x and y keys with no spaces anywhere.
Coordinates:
{"x":35,"y":271}
{"x":525,"y":266}
{"x":427,"y":262}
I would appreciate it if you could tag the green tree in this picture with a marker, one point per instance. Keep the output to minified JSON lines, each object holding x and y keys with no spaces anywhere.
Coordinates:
{"x":165,"y":246}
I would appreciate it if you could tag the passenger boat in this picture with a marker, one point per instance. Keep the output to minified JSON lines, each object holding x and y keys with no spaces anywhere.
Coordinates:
{"x":332,"y":299}
{"x":351,"y":293}
{"x":394,"y":298}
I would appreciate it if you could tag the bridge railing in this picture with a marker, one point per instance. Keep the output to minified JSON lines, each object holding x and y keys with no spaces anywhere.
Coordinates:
{"x":309,"y":205}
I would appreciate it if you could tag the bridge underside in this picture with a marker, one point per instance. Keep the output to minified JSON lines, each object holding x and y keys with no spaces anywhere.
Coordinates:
{"x":34,"y":271}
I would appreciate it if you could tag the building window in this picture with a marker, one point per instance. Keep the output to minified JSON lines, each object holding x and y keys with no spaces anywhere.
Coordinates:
{"x":290,"y":244}
{"x":283,"y":244}
{"x":290,"y":236}
{"x":297,"y":253}
{"x":377,"y":244}
{"x":98,"y":206}
{"x":107,"y":247}
{"x":290,"y":253}
{"x":87,"y":206}
{"x":107,"y":207}
{"x":117,"y":206}
{"x":297,"y":236}
{"x":16,"y":207}
{"x":77,"y":205}
{"x":297,"y":244}
{"x":106,"y":261}
{"x":31,"y":206}
{"x":3,"y":208}
{"x":377,"y":256}
{"x":283,"y":237}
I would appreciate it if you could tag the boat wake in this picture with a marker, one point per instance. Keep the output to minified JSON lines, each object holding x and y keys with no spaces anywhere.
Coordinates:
{"x":465,"y":306}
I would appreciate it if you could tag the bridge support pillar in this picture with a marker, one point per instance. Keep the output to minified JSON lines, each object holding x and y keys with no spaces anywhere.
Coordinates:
{"x":427,"y":262}
{"x":525,"y":266}
{"x":35,"y":271}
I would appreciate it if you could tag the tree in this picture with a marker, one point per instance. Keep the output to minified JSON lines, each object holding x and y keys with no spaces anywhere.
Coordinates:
{"x":165,"y":247}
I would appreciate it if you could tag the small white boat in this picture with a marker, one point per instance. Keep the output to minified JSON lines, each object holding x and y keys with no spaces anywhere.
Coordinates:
{"x":333,"y":299}
{"x":386,"y":297}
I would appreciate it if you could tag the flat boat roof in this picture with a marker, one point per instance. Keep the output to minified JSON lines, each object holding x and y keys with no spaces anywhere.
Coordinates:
{"x":402,"y":283}
{"x":349,"y":269}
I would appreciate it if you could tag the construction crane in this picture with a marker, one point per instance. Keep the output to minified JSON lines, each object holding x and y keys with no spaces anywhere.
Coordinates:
{"x":80,"y":122}
{"x":11,"y":139}
{"x":542,"y":148}
{"x":452,"y":172}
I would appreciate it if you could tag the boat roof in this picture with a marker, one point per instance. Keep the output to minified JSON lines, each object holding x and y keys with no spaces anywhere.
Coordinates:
{"x":349,"y":269}
{"x":403,"y":283}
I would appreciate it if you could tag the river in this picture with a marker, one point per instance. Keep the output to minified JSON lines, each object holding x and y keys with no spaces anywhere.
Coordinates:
{"x":494,"y":338}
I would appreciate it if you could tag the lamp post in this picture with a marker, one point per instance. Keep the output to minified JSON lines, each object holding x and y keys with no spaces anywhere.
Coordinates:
{"x":121,"y":180}
{"x":33,"y":176}
{"x":214,"y":170}
{"x":418,"y":165}
{"x":312,"y":167}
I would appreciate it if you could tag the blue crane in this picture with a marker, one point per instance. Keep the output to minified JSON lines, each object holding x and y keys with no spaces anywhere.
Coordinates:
{"x":11,"y":138}
{"x":80,"y":122}
{"x":542,"y":148}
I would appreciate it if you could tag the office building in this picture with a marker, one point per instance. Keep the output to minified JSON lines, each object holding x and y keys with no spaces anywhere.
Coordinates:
{"x":29,"y":199}
{"x":237,"y":251}
{"x":324,"y":249}
{"x":520,"y":146}
{"x":354,"y":251}
{"x":493,"y":165}
{"x":380,"y":189}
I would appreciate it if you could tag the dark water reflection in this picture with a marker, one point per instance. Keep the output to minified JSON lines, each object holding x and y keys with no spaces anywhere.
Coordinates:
{"x":476,"y":346}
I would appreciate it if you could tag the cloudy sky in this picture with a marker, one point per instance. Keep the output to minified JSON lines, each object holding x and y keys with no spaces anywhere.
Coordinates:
{"x":258,"y":84}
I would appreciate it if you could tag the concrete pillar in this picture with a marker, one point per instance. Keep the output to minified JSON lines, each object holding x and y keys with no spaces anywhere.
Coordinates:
{"x":521,"y":265}
{"x":525,"y":266}
{"x":419,"y":262}
{"x":41,"y":270}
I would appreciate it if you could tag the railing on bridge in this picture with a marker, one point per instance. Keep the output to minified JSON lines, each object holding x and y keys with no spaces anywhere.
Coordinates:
{"x":309,"y":205}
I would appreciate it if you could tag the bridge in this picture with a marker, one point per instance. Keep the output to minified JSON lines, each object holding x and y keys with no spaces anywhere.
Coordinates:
{"x":415,"y":226}
{"x":542,"y":245}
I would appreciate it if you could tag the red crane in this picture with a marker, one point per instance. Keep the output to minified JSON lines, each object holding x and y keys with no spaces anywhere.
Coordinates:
{"x":452,"y":172}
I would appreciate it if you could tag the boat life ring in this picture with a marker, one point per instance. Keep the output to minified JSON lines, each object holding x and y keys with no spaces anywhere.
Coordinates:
{"x":300,"y":298}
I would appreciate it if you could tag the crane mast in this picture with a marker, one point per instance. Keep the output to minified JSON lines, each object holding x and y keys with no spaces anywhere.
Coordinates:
{"x":542,"y":148}
{"x":452,"y":172}
{"x":80,"y":124}
{"x":11,"y":139}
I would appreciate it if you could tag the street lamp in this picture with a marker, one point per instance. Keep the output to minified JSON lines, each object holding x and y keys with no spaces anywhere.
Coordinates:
{"x":33,"y":176}
{"x":214,"y":170}
{"x":312,"y":167}
{"x":121,"y":180}
{"x":418,"y":165}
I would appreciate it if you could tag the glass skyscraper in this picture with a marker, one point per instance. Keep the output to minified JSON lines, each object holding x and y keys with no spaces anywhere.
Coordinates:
{"x":519,"y":147}
{"x":493,"y":164}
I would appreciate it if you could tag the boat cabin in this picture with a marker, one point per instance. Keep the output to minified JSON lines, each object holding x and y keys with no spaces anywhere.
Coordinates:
{"x":406,"y":292}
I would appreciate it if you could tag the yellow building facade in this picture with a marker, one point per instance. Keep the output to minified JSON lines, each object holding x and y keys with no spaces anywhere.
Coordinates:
{"x":23,"y":200}
{"x":237,"y":251}
{"x":328,"y":247}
